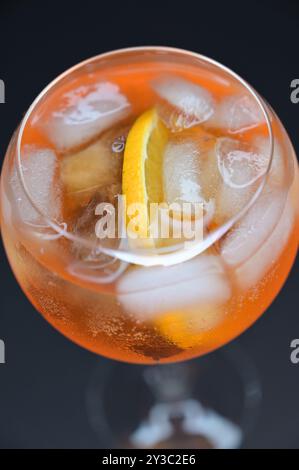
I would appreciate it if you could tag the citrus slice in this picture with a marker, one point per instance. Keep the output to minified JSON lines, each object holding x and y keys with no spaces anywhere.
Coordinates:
{"x":142,"y":173}
{"x":187,"y":328}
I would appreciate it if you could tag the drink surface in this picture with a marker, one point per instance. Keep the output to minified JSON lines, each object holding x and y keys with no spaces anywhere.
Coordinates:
{"x":205,"y":140}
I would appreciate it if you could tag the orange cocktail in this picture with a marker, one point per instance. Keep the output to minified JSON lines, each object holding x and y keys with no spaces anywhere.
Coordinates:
{"x":158,"y":126}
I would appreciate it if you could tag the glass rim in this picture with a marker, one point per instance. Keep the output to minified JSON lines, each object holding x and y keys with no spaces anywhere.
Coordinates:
{"x":139,"y":257}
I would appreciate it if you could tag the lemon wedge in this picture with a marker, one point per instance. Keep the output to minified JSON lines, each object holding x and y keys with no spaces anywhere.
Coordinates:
{"x":142,"y":180}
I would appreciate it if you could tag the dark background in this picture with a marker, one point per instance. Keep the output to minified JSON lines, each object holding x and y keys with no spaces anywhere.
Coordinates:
{"x":43,"y":384}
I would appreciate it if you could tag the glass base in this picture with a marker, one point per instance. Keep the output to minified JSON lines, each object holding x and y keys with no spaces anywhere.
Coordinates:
{"x":211,"y":402}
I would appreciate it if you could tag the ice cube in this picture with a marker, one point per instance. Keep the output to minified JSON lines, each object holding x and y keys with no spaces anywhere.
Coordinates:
{"x":95,"y":170}
{"x":279,"y":171}
{"x":39,"y":167}
{"x":241,"y":166}
{"x":189,"y":171}
{"x":246,"y":237}
{"x":83,"y":113}
{"x":181,"y":173}
{"x":256,"y":267}
{"x":237,"y":113}
{"x":93,"y":167}
{"x":147,"y":292}
{"x":239,"y":163}
{"x":95,"y":266}
{"x":91,"y":263}
{"x":184,"y":104}
{"x":229,"y":202}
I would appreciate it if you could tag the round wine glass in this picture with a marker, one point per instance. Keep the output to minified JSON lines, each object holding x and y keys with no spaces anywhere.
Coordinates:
{"x":150,"y":306}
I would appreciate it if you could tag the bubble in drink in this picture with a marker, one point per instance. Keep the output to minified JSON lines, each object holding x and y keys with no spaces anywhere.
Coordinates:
{"x":118,"y":145}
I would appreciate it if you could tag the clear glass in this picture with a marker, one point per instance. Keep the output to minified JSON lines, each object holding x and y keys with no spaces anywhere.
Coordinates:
{"x":211,"y":402}
{"x":171,"y":306}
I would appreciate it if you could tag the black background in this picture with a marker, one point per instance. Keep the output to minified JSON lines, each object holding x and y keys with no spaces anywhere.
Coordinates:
{"x":43,"y":384}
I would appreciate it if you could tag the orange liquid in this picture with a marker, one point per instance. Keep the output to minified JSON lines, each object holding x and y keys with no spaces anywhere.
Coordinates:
{"x":94,"y":315}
